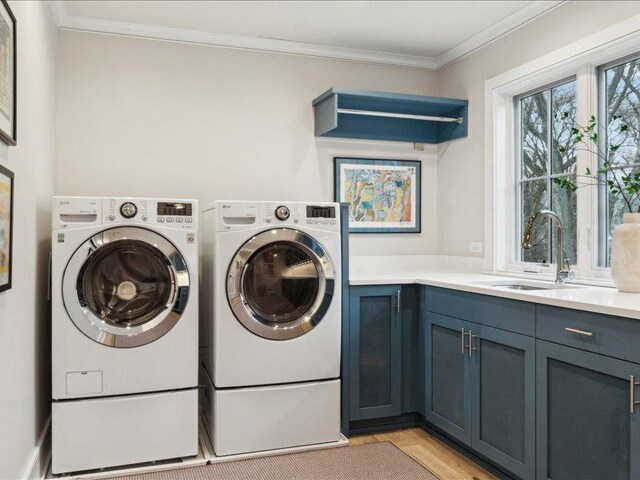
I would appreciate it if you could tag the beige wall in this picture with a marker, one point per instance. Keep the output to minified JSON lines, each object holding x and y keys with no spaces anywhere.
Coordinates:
{"x":461,"y":163}
{"x":24,"y":310}
{"x":151,"y":118}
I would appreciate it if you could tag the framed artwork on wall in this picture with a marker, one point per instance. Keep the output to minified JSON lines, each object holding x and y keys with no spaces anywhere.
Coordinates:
{"x":383,"y":195}
{"x":8,"y":54}
{"x":6,"y":228}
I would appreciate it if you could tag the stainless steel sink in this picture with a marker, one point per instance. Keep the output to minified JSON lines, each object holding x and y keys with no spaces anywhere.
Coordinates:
{"x":525,"y":285}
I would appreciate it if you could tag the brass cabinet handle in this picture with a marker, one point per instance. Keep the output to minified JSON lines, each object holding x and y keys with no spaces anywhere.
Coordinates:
{"x":632,"y":393}
{"x":578,"y":332}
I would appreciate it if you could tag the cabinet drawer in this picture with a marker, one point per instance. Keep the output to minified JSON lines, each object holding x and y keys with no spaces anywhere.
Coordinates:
{"x":612,"y":336}
{"x":506,"y":314}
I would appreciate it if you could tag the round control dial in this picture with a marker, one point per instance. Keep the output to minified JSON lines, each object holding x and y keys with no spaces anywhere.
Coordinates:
{"x":128,"y":210}
{"x":282,"y":213}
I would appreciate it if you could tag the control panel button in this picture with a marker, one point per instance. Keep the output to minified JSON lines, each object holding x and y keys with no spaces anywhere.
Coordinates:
{"x":188,"y":220}
{"x":268,"y":220}
{"x":282,"y":213}
{"x":112,"y":217}
{"x":128,"y":210}
{"x":160,"y":219}
{"x":170,"y":219}
{"x":179,"y":220}
{"x":145,"y":218}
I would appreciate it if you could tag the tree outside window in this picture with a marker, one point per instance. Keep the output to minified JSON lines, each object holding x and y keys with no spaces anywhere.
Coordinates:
{"x":546,"y":118}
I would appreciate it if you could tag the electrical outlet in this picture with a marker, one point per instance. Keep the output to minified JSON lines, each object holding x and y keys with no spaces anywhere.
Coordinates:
{"x":475,"y":247}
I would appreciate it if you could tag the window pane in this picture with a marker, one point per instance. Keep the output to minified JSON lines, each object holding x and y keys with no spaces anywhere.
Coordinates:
{"x":535,"y":196}
{"x":534,"y":135}
{"x":563,"y":203}
{"x":622,"y":103}
{"x":563,"y":109}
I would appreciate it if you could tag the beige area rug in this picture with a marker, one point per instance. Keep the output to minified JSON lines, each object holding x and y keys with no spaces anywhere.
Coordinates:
{"x":370,"y":461}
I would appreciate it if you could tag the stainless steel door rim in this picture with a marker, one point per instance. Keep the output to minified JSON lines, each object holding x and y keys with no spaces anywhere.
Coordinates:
{"x":131,"y":331}
{"x":294,"y":323}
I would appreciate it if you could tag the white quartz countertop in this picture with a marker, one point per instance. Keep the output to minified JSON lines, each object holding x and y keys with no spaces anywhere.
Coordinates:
{"x":580,"y":297}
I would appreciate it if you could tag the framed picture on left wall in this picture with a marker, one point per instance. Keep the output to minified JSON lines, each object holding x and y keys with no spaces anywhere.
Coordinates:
{"x":6,"y":227}
{"x":8,"y":54}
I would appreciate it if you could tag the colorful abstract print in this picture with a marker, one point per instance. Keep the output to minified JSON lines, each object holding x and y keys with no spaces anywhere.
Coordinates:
{"x":380,"y":194}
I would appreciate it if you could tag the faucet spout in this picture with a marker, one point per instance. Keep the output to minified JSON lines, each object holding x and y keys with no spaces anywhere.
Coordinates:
{"x":563,"y":271}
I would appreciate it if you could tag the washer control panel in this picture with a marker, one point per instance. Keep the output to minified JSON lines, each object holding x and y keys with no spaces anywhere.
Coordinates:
{"x":128,"y":210}
{"x":165,"y":213}
{"x":282,"y":213}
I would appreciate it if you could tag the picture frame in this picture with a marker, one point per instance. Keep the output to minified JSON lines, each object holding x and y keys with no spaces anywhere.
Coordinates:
{"x":8,"y":75}
{"x":384,"y":195}
{"x":7,"y":187}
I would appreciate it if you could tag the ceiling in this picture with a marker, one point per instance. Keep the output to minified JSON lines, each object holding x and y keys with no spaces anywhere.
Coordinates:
{"x":424,"y":34}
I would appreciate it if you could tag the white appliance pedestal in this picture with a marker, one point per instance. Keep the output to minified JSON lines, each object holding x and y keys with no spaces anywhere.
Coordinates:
{"x":123,"y":430}
{"x":255,"y":419}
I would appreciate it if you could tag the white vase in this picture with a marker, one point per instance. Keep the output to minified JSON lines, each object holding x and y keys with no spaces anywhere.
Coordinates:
{"x":625,"y":254}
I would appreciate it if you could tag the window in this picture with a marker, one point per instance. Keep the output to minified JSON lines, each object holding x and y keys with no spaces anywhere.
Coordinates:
{"x":545,"y":119}
{"x":620,"y":124}
{"x":530,"y":112}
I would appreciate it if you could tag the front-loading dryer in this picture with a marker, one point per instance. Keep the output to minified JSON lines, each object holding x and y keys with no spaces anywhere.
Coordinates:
{"x":271,"y":323}
{"x":124,"y":331}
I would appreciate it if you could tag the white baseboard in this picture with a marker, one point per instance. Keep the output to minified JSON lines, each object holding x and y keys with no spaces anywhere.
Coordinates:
{"x":36,"y":468}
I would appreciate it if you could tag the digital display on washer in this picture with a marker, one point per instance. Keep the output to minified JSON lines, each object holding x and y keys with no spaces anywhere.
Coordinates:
{"x":320,"y":212}
{"x":175,"y":209}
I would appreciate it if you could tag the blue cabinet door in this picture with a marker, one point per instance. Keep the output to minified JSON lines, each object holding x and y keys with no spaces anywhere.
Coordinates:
{"x":503,"y":372}
{"x":587,"y":425}
{"x":448,"y":383}
{"x":375,"y":352}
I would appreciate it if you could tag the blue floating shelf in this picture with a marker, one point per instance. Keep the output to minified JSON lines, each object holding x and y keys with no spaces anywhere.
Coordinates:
{"x":389,"y":116}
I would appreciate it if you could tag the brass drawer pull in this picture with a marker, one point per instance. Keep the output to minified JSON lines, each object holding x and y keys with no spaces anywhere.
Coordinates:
{"x":578,"y":332}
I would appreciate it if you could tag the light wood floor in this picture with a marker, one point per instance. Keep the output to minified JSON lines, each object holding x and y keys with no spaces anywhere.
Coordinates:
{"x":436,"y":456}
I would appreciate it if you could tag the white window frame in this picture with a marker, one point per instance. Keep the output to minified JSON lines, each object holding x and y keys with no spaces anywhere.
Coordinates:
{"x":517,"y":172}
{"x":603,"y":201}
{"x":580,"y":60}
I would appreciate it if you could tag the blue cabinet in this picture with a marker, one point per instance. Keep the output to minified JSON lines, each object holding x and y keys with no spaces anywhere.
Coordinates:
{"x":503,"y":398}
{"x":588,"y":426}
{"x":448,"y":372}
{"x":389,"y":116}
{"x":375,"y":337}
{"x":480,"y":389}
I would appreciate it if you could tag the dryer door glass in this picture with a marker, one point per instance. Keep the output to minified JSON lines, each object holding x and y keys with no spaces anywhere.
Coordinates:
{"x":126,"y":287}
{"x":280,"y":284}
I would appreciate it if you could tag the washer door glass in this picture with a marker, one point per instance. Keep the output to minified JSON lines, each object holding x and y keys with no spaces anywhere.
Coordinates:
{"x":126,"y":283}
{"x":280,"y":284}
{"x":126,"y":287}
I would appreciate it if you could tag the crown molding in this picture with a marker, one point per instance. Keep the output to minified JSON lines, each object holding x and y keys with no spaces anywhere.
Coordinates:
{"x":243,"y":42}
{"x":86,"y":24}
{"x":496,"y":31}
{"x":58,"y":11}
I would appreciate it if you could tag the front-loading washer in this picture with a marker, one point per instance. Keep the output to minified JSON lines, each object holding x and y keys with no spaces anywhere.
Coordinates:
{"x":271,"y":323}
{"x":124,"y":331}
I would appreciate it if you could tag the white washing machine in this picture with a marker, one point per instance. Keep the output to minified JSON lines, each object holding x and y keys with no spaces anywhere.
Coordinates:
{"x":124,"y":331}
{"x":271,"y":323}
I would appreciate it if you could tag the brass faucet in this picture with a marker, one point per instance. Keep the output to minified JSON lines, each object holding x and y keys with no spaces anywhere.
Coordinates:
{"x":563,"y":269}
